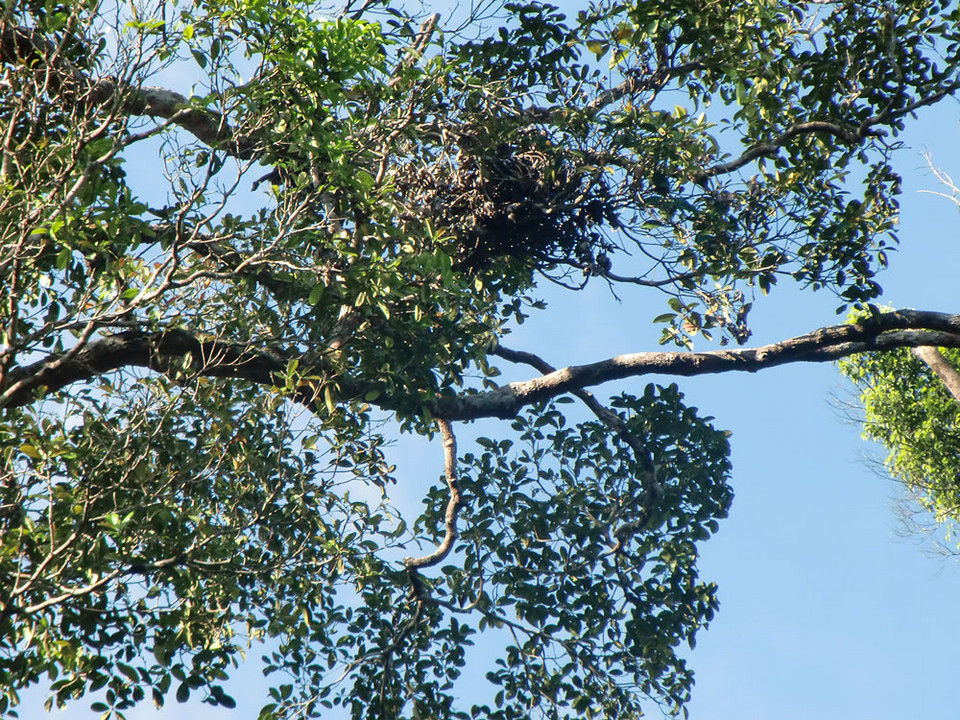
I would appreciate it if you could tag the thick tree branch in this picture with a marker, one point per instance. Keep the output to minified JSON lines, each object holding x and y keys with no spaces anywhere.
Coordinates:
{"x":158,"y":351}
{"x":942,"y":367}
{"x":161,"y":351}
{"x":208,"y":127}
{"x":887,"y":331}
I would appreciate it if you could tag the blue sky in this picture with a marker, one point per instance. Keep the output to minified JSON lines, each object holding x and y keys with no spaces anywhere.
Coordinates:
{"x":826,"y":612}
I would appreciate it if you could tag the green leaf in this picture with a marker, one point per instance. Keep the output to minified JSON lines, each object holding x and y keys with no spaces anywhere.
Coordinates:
{"x":598,"y":47}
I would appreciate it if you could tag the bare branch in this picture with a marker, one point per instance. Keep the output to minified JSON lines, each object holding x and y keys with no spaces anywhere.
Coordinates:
{"x":887,"y":331}
{"x":100,"y":583}
{"x":157,"y":351}
{"x":208,"y":127}
{"x":453,"y":504}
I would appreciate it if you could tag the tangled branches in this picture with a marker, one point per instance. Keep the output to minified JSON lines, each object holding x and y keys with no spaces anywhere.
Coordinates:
{"x":528,"y":203}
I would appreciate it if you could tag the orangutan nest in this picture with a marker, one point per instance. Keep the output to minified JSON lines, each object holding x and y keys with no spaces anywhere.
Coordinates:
{"x":510,"y":203}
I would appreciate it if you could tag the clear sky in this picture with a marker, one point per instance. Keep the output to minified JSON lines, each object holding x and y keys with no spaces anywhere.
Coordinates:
{"x":826,"y":612}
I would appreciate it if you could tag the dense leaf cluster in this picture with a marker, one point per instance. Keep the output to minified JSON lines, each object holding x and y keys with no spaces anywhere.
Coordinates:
{"x":908,"y":410}
{"x":595,"y":581}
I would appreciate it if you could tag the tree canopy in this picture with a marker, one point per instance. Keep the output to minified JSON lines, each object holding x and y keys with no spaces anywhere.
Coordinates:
{"x":911,"y":403}
{"x":247,"y":242}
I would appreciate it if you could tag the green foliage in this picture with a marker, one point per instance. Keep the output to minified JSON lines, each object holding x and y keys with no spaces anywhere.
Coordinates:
{"x":558,"y":536}
{"x":187,"y":535}
{"x":908,"y":410}
{"x":238,"y":296}
{"x":596,"y":591}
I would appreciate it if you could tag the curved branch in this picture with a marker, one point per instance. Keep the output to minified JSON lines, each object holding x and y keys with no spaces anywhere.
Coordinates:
{"x":925,"y":101}
{"x":773,"y":147}
{"x":453,"y":504}
{"x":612,"y":420}
{"x":851,"y":137}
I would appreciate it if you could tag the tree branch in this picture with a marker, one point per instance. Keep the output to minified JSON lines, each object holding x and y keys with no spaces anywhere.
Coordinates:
{"x":24,"y":45}
{"x":942,"y":367}
{"x":157,"y":351}
{"x":160,"y":351}
{"x":887,"y":331}
{"x":773,"y":147}
{"x":851,"y":137}
{"x":631,"y":85}
{"x":453,"y":504}
{"x":208,"y":127}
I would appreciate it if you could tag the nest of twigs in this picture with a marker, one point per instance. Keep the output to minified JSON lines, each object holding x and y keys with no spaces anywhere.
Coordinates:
{"x":517,"y":203}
